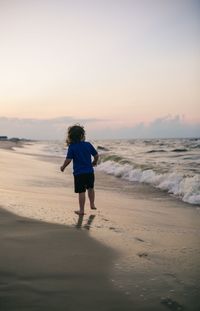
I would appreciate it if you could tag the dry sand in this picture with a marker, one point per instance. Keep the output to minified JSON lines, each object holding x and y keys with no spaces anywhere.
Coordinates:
{"x":138,"y":251}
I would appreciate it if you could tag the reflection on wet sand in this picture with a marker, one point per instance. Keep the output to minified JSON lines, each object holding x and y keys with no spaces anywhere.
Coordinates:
{"x":88,"y":224}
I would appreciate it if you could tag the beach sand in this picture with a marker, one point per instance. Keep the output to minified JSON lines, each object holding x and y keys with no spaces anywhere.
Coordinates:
{"x":138,"y":251}
{"x":8,"y":144}
{"x":54,"y":267}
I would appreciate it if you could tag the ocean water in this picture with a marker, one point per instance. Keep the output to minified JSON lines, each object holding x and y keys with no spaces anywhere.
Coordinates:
{"x":171,"y":165}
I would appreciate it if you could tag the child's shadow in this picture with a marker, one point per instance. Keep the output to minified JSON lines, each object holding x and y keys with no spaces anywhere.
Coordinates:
{"x":87,"y":225}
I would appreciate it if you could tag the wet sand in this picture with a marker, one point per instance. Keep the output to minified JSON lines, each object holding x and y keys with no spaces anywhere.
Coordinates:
{"x":54,"y":267}
{"x":8,"y":144}
{"x":138,"y":251}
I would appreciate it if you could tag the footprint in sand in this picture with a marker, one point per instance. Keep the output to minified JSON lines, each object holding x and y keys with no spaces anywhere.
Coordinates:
{"x":171,"y":304}
{"x":114,"y":229}
{"x":143,"y":255}
{"x":138,"y":239}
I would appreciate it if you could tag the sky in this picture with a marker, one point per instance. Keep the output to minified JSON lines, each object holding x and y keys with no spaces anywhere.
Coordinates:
{"x":122,"y":68}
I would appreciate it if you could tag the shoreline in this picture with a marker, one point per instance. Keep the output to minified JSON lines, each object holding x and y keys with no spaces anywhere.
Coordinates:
{"x":156,"y":238}
{"x":10,"y":144}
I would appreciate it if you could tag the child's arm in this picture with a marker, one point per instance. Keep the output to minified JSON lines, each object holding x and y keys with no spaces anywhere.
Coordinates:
{"x":96,"y":157}
{"x":67,"y":161}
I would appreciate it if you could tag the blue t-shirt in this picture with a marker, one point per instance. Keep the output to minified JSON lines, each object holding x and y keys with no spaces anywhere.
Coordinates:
{"x":81,"y":154}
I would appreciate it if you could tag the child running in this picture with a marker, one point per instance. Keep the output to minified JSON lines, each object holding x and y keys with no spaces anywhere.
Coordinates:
{"x":80,"y":151}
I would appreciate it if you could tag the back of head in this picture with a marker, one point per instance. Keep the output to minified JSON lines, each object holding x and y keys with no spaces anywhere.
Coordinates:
{"x":76,"y":133}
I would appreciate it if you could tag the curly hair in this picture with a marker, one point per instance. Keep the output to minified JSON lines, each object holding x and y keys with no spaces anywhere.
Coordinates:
{"x":76,"y":133}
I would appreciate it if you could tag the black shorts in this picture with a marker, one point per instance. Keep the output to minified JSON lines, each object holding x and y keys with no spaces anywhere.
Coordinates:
{"x":83,"y":182}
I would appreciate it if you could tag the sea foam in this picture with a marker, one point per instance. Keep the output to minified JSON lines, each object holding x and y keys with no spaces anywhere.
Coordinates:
{"x":185,"y":187}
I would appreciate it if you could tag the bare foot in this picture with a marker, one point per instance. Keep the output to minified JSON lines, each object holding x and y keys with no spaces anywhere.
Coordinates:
{"x":79,"y":213}
{"x":93,"y":207}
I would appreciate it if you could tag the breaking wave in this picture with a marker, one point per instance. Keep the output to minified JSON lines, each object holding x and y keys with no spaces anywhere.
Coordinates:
{"x":187,"y":188}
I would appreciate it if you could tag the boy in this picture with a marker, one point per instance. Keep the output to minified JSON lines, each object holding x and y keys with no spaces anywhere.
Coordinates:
{"x":80,"y":152}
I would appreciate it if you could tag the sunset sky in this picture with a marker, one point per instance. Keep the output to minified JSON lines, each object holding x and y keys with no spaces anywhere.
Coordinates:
{"x":108,"y":64}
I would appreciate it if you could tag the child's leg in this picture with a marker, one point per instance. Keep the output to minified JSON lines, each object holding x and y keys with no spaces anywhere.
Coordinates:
{"x":91,"y":196}
{"x":81,"y":203}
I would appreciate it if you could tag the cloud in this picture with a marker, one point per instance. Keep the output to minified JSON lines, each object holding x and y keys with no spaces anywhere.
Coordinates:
{"x":39,"y":129}
{"x":164,"y":127}
{"x":42,"y":129}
